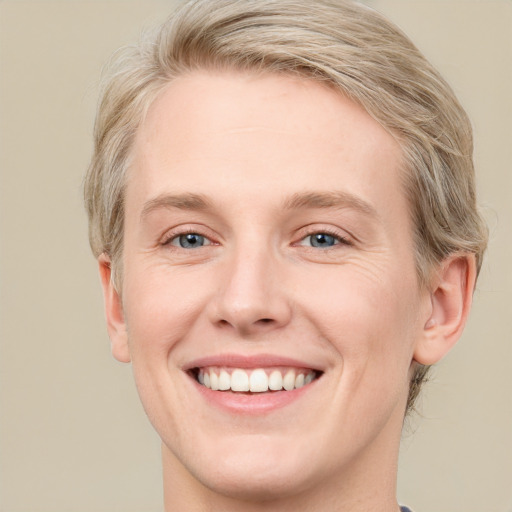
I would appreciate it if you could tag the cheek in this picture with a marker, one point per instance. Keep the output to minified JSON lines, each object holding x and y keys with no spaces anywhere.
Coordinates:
{"x":162,"y":305}
{"x":368,"y":318}
{"x":359,"y":300}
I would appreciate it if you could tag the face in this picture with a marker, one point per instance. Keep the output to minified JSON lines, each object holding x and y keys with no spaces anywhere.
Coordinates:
{"x":270,"y":303}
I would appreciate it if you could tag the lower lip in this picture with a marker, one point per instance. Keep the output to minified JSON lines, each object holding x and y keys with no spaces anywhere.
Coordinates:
{"x":253,"y":403}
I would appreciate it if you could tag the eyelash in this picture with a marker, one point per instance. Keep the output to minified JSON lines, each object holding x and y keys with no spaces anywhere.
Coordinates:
{"x":169,"y":237}
{"x":341,"y":240}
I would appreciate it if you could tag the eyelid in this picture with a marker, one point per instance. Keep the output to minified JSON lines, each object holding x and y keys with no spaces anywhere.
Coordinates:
{"x":174,"y":241}
{"x":178,"y":231}
{"x":341,"y":237}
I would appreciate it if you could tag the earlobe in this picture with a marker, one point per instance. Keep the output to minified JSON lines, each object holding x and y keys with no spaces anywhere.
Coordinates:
{"x":451,"y":299}
{"x":113,"y":312}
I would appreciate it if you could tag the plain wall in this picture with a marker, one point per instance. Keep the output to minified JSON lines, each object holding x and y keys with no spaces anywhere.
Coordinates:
{"x":73,"y":437}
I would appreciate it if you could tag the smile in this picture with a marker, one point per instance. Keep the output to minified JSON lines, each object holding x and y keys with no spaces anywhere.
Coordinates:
{"x":252,"y":384}
{"x":257,"y":380}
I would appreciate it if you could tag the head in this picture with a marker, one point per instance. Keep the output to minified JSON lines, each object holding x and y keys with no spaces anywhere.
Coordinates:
{"x":341,"y":47}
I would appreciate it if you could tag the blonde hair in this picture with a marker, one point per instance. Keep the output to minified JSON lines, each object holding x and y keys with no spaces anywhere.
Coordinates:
{"x":341,"y":43}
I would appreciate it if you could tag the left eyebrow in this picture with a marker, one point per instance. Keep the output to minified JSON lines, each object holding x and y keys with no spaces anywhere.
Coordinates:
{"x":334,"y":199}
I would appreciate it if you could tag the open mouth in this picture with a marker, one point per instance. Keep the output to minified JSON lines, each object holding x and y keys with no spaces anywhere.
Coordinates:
{"x":256,"y":380}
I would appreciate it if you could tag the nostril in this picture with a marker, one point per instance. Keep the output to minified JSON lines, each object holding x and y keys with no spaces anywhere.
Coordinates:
{"x":265,"y":320}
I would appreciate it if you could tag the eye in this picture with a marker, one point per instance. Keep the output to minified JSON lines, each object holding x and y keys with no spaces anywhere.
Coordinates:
{"x":323,"y":240}
{"x":189,"y":241}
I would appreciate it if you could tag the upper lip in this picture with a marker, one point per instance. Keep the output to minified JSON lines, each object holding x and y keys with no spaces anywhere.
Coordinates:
{"x":248,"y":362}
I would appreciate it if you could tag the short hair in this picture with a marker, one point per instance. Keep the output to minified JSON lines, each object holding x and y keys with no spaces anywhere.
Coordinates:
{"x":341,"y":43}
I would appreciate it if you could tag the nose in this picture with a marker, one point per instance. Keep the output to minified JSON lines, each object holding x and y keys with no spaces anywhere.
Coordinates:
{"x":251,"y":297}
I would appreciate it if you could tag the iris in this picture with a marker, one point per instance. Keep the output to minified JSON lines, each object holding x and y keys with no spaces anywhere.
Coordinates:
{"x":191,"y":240}
{"x":322,"y":240}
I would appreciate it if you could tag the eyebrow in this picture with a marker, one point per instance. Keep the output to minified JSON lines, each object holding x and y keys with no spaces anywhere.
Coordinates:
{"x":334,"y":199}
{"x":187,"y":201}
{"x":301,"y":200}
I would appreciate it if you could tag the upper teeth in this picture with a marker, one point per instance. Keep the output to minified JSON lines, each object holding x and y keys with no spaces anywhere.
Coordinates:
{"x":257,"y":381}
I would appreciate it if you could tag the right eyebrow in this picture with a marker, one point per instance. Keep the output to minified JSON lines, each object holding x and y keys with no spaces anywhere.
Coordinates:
{"x":180,"y":201}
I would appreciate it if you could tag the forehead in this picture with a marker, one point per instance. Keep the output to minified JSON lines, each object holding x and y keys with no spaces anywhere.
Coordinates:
{"x":215,"y":133}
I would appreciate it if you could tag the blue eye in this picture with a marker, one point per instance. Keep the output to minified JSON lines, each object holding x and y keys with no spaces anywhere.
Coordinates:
{"x":190,"y":241}
{"x":322,"y":240}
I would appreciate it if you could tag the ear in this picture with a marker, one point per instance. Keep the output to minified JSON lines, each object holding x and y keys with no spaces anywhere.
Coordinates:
{"x":451,"y":298}
{"x":113,"y":312}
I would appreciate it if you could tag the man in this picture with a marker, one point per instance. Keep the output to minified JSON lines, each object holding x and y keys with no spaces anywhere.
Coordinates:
{"x":282,"y":205}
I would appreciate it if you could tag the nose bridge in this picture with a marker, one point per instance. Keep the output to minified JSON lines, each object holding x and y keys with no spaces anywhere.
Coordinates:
{"x":251,"y":297}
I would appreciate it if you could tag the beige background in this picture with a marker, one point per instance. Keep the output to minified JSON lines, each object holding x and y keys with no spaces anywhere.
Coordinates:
{"x":73,"y":436}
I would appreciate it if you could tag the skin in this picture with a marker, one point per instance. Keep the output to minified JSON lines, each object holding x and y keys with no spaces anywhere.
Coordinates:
{"x":254,"y":148}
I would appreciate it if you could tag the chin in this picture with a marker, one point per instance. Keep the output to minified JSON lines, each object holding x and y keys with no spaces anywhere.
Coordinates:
{"x":256,"y":482}
{"x":255,"y":470}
